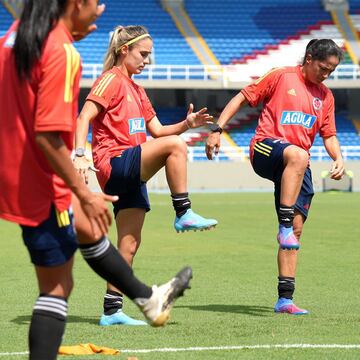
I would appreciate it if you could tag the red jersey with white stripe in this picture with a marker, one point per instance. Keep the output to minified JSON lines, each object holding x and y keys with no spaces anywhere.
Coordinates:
{"x":122,"y":122}
{"x":294,"y":110}
{"x":46,"y":103}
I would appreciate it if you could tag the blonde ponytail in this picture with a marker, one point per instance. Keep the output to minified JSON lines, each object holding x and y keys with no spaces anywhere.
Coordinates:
{"x":120,"y":37}
{"x":111,"y":54}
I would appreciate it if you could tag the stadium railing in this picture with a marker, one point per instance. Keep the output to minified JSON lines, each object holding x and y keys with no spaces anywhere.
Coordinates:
{"x":241,"y":153}
{"x":222,"y":73}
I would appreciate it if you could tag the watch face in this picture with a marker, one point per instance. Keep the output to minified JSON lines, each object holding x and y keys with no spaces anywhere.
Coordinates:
{"x":80,"y":152}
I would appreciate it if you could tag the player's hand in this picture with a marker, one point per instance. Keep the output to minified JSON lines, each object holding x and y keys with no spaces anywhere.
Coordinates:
{"x":212,"y":145}
{"x":96,"y":209}
{"x":82,"y":166}
{"x":337,"y":170}
{"x":80,"y":35}
{"x":197,"y":119}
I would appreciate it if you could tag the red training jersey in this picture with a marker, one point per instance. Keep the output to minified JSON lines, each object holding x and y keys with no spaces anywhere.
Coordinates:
{"x":294,"y":110}
{"x":122,"y":122}
{"x":47,"y":102}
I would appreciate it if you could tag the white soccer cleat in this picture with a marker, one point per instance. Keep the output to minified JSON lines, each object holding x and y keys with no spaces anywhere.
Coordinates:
{"x":157,"y":308}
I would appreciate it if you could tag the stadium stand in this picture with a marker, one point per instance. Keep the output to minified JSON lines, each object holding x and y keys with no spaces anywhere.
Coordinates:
{"x":245,"y":35}
{"x":234,"y":31}
{"x":169,"y":46}
{"x":5,"y":20}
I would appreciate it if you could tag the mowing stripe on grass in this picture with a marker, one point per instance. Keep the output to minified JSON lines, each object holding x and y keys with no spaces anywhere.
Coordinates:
{"x":235,"y":347}
{"x":241,"y":347}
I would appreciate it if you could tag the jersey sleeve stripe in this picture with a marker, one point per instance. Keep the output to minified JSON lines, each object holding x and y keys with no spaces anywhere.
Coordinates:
{"x":266,"y":75}
{"x":103,"y":84}
{"x":67,"y":89}
{"x":75,"y":68}
{"x":100,"y":84}
{"x":72,"y":67}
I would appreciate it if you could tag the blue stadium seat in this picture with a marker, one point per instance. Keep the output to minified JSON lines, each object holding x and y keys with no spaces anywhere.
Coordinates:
{"x":233,"y":30}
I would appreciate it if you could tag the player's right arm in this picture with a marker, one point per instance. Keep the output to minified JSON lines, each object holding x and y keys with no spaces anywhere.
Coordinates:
{"x":88,"y":113}
{"x":252,"y":94}
{"x":213,"y":140}
{"x":94,"y":206}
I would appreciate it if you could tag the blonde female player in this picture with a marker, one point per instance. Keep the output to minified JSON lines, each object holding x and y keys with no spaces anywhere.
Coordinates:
{"x":121,"y":114}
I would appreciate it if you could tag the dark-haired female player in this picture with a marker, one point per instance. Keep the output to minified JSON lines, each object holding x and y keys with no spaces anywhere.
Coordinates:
{"x":296,"y":106}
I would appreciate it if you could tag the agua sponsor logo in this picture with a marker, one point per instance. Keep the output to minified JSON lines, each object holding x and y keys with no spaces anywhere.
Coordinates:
{"x":297,"y":118}
{"x":136,"y":125}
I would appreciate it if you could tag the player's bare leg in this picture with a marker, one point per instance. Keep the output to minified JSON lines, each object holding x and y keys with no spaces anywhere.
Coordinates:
{"x":290,"y":227}
{"x":171,"y":152}
{"x":129,"y":223}
{"x":295,"y":163}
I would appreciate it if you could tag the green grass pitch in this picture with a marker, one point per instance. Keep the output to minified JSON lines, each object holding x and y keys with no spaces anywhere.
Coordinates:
{"x":233,"y":290}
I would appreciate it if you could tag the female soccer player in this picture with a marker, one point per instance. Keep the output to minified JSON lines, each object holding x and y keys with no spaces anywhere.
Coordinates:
{"x":39,"y":75}
{"x":296,"y":106}
{"x":121,"y":113}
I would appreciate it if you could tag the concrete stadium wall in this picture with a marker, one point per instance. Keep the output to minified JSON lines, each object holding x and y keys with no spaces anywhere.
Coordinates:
{"x":235,"y":176}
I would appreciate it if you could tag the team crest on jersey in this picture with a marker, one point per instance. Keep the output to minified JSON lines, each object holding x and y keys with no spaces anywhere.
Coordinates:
{"x":136,"y":125}
{"x":317,"y":103}
{"x":297,"y":118}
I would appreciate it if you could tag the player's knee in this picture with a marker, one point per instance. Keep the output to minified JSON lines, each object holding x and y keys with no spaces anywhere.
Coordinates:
{"x":178,"y":144}
{"x":297,"y":158}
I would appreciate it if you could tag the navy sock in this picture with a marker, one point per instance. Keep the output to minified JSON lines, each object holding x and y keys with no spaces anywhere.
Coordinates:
{"x":286,"y":215}
{"x":105,"y":260}
{"x":286,"y":287}
{"x":113,"y":301}
{"x":181,"y":203}
{"x":47,"y":327}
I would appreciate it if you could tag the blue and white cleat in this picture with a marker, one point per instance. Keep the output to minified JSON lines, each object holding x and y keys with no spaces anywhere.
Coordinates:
{"x":287,"y":306}
{"x":287,"y":239}
{"x":119,"y":318}
{"x":192,"y":221}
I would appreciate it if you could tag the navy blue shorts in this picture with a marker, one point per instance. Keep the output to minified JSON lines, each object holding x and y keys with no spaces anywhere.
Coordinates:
{"x":268,"y":163}
{"x":53,"y":242}
{"x":125,"y":181}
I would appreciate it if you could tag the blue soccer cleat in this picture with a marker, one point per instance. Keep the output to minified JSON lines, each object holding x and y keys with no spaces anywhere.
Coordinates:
{"x":193,"y":221}
{"x":119,"y":318}
{"x":287,"y":306}
{"x":287,"y":239}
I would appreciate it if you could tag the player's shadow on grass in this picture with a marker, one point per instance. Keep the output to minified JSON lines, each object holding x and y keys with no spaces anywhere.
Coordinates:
{"x":252,"y":310}
{"x":25,"y":320}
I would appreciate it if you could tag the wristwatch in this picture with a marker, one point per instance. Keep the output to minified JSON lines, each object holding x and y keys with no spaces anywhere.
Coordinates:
{"x":80,"y":152}
{"x":215,"y":128}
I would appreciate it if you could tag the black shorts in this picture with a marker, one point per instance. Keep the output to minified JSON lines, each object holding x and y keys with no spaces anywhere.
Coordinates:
{"x":53,"y":242}
{"x":268,"y":162}
{"x":125,"y":181}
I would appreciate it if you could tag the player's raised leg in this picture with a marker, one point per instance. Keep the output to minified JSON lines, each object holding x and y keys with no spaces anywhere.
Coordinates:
{"x":171,"y":152}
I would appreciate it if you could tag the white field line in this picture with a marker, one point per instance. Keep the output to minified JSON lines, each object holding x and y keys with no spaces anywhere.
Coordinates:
{"x":222,"y":348}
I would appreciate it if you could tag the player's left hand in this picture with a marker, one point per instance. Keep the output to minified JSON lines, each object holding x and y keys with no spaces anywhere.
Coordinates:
{"x":197,"y":119}
{"x":80,"y":35}
{"x":337,"y":170}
